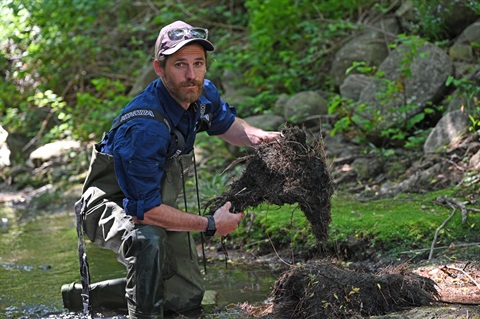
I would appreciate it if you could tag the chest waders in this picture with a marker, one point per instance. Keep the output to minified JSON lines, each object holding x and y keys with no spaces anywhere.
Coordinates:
{"x":162,"y":267}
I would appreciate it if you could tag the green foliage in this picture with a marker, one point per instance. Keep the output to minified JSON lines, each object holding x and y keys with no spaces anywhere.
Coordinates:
{"x":54,"y":40}
{"x":364,"y":119}
{"x":431,"y":16}
{"x":390,"y":225}
{"x":288,"y":44}
{"x":89,"y":53}
{"x":349,"y":120}
{"x":258,"y":104}
{"x":417,"y":138}
{"x":361,"y":67}
{"x":103,"y":107}
{"x":272,"y":23}
{"x":469,"y":92}
{"x":474,"y":5}
{"x":59,"y":48}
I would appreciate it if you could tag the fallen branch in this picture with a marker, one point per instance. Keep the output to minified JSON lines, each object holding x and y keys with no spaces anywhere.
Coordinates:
{"x":454,"y":204}
{"x":466,"y":274}
{"x":438,"y":248}
{"x":437,"y":231}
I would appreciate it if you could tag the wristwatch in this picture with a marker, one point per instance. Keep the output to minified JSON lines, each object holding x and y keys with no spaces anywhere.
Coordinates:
{"x":211,"y":228}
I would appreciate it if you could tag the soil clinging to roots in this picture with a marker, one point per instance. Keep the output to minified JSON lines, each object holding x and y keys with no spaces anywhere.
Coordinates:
{"x":288,"y":171}
{"x":321,"y":289}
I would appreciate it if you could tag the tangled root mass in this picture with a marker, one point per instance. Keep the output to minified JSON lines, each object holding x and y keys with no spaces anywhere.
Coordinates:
{"x":288,"y":171}
{"x":320,"y":289}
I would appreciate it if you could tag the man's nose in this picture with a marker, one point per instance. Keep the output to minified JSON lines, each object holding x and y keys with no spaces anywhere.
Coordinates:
{"x":191,"y":73}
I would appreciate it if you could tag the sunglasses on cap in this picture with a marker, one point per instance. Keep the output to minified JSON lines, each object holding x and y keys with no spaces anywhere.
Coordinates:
{"x":174,"y":37}
{"x":185,"y":34}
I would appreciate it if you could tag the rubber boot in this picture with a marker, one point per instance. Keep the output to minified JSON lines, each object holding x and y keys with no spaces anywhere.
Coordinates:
{"x":149,"y":261}
{"x":186,"y":288}
{"x":108,"y":294}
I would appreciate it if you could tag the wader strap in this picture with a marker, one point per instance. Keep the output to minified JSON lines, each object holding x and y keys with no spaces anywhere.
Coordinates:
{"x":155,"y":115}
{"x":82,"y":258}
{"x":198,"y":207}
{"x":180,"y":140}
{"x":185,"y":204}
{"x":143,"y":113}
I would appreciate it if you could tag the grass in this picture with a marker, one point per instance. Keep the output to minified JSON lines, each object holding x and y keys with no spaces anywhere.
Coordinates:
{"x":402,"y":223}
{"x":390,"y":226}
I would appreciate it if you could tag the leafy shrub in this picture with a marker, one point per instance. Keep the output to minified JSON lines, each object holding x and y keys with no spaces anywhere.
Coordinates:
{"x":89,"y":53}
{"x":469,"y":91}
{"x":288,"y":45}
{"x":364,"y":119}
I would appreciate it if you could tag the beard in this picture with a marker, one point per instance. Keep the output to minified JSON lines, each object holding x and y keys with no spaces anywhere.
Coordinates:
{"x":183,"y":92}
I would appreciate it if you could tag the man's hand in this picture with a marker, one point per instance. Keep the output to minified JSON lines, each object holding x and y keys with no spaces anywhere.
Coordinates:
{"x":243,"y":134}
{"x":225,"y":221}
{"x":266,"y":136}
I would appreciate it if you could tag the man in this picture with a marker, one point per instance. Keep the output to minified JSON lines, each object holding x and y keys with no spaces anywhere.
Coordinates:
{"x":150,"y":157}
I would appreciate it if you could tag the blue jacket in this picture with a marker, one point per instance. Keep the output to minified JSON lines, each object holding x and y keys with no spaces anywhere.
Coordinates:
{"x":140,"y":146}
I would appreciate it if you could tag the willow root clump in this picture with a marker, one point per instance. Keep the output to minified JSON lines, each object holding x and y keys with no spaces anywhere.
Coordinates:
{"x":291,"y":170}
{"x":321,"y":289}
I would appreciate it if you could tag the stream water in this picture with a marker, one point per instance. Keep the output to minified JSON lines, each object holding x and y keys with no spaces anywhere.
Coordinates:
{"x":38,"y":256}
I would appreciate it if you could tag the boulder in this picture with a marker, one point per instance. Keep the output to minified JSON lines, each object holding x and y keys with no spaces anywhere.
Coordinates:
{"x":474,"y":161}
{"x":370,"y":46}
{"x":279,"y":106}
{"x":459,"y":18}
{"x":468,"y":96}
{"x":353,"y":86}
{"x":266,"y":122}
{"x":4,"y":150}
{"x":51,"y":150}
{"x":303,"y":105}
{"x":424,"y":83}
{"x":463,"y":49}
{"x":449,"y":129}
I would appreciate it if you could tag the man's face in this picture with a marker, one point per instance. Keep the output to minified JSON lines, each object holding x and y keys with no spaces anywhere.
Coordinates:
{"x":184,"y":73}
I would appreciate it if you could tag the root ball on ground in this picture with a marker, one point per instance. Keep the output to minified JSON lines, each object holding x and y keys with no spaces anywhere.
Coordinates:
{"x":321,"y":289}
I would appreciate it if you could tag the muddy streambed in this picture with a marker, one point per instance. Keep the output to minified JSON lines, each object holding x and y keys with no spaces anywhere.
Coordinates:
{"x":38,"y":256}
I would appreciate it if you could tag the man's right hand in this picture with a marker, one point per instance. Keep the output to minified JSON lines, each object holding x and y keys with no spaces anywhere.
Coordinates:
{"x":225,"y":221}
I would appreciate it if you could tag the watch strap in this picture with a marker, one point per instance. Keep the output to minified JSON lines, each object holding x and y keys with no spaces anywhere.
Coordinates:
{"x":211,"y":228}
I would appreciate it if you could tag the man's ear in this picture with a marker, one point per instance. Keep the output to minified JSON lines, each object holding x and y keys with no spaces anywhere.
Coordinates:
{"x":158,"y":69}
